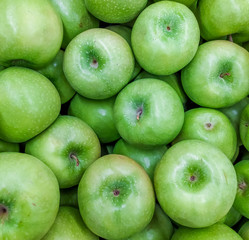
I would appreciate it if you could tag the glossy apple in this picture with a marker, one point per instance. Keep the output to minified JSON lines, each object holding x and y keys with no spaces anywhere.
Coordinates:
{"x":244,"y":127}
{"x":98,"y":63}
{"x":165,"y":37}
{"x":112,"y":195}
{"x":30,"y":32}
{"x":218,"y":75}
{"x":211,"y":126}
{"x":148,"y":112}
{"x":69,"y":225}
{"x":98,"y":114}
{"x":115,"y":11}
{"x":29,"y":103}
{"x":147,"y":158}
{"x":75,"y":18}
{"x":68,"y":147}
{"x":29,"y":197}
{"x":195,"y":183}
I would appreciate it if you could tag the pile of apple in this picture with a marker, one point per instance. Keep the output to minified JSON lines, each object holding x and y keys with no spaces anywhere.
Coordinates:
{"x":124,"y":119}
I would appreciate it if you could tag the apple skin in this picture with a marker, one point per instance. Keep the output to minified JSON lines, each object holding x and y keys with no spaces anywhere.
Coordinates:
{"x":54,"y":72}
{"x":244,"y":127}
{"x":146,"y":119}
{"x":244,"y":231}
{"x":217,"y":77}
{"x":69,"y":197}
{"x":75,"y":18}
{"x":111,"y":197}
{"x":69,"y":225}
{"x":147,"y":158}
{"x":165,"y":37}
{"x":220,"y":18}
{"x":98,"y":63}
{"x":211,"y":126}
{"x":28,"y":37}
{"x":160,"y":228}
{"x":98,"y":114}
{"x":188,"y":3}
{"x":67,"y":147}
{"x":30,"y":193}
{"x":9,"y":147}
{"x":25,"y":92}
{"x":115,"y":11}
{"x":215,"y":232}
{"x":195,"y":183}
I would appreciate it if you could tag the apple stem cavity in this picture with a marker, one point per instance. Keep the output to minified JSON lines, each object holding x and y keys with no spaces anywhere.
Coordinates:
{"x":222,"y":75}
{"x":73,"y":156}
{"x":139,"y":112}
{"x":116,"y":192}
{"x":94,"y":63}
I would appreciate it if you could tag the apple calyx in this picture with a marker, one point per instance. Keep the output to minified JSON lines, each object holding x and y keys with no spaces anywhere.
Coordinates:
{"x":139,"y":112}
{"x":193,"y":178}
{"x":3,"y":212}
{"x":208,"y":126}
{"x":73,"y":157}
{"x":116,"y":192}
{"x":168,"y":28}
{"x":242,"y":185}
{"x":222,"y":75}
{"x":94,"y":63}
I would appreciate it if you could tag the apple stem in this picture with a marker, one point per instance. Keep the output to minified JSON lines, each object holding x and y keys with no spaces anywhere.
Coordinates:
{"x":3,"y":212}
{"x":74,"y":157}
{"x":222,"y":75}
{"x":242,"y":185}
{"x":139,"y":113}
{"x":230,"y":38}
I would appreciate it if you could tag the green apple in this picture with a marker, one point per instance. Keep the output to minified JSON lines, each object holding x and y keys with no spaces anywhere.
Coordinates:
{"x":232,"y":217}
{"x":165,"y":37}
{"x":125,"y":32}
{"x":69,"y":197}
{"x":29,"y":103}
{"x":173,"y":80}
{"x":188,"y":3}
{"x":54,"y":72}
{"x":218,"y":75}
{"x":147,"y":158}
{"x":160,"y":228}
{"x":69,"y":225}
{"x":242,"y":197}
{"x":68,"y":147}
{"x":219,"y":18}
{"x":29,"y":197}
{"x":98,"y":114}
{"x":244,"y":127}
{"x":75,"y":18}
{"x":195,"y":183}
{"x":236,"y":155}
{"x":98,"y":63}
{"x":115,"y":11}
{"x":244,"y":231}
{"x":148,"y":112}
{"x":211,"y":126}
{"x":215,"y":232}
{"x":30,"y":32}
{"x":111,"y":196}
{"x":9,"y":147}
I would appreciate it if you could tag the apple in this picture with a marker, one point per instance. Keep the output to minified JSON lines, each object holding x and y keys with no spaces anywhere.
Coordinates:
{"x":165,"y":37}
{"x":111,"y":196}
{"x":69,"y":197}
{"x":244,"y":127}
{"x":232,"y":217}
{"x":29,"y":103}
{"x":245,"y":155}
{"x":68,"y":147}
{"x":188,"y":3}
{"x":54,"y":72}
{"x":219,"y":18}
{"x":9,"y":147}
{"x":69,"y":225}
{"x":211,"y":126}
{"x":244,"y":231}
{"x":115,"y":11}
{"x":215,"y":232}
{"x":98,"y":114}
{"x":98,"y":63}
{"x":148,"y":113}
{"x":29,"y":197}
{"x":75,"y":18}
{"x":147,"y":158}
{"x":195,"y":183}
{"x":217,"y":77}
{"x":30,"y":32}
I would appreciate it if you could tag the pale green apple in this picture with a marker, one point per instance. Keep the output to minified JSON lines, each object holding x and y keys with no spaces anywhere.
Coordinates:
{"x":30,"y":32}
{"x":165,"y":37}
{"x":244,"y":127}
{"x":115,"y":11}
{"x":217,"y":77}
{"x":29,"y":197}
{"x":116,"y":197}
{"x":98,"y":63}
{"x":195,"y":183}
{"x":75,"y":18}
{"x":29,"y":103}
{"x":68,"y":147}
{"x":68,"y":225}
{"x":54,"y":72}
